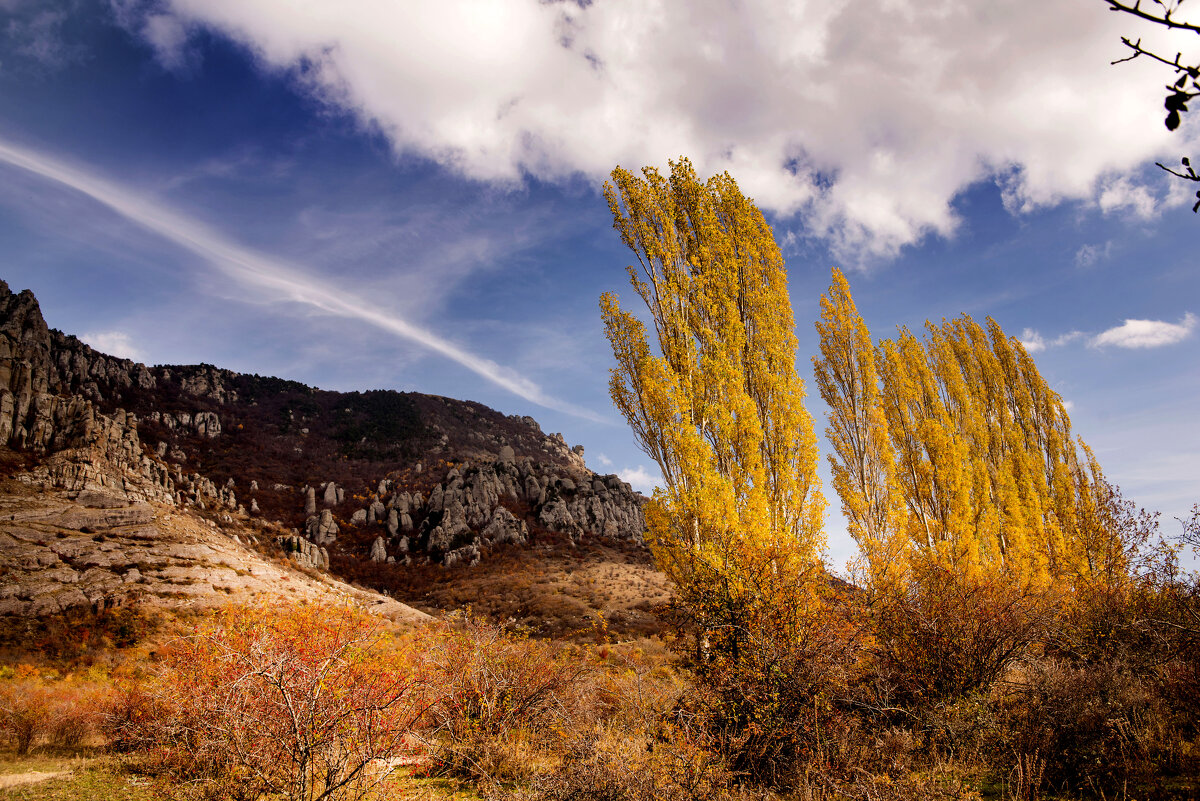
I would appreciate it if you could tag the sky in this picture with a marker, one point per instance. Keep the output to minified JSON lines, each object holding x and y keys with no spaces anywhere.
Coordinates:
{"x":406,"y":195}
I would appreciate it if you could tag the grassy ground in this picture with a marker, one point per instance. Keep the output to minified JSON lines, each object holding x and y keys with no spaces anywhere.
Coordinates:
{"x":79,"y":776}
{"x":91,"y":775}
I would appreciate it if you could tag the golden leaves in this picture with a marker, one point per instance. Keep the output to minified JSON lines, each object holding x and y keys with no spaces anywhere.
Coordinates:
{"x":719,"y":405}
{"x":954,"y":446}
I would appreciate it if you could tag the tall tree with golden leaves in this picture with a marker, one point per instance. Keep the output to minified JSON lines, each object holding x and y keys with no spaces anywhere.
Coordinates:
{"x":955,"y":446}
{"x":862,"y":461}
{"x":718,"y":404}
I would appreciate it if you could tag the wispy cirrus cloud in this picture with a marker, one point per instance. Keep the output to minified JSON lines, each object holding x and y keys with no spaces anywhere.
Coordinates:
{"x":1146,"y":333}
{"x":274,"y":278}
{"x":38,"y":36}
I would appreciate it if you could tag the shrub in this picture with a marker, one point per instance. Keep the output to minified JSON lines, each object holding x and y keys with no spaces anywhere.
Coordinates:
{"x":943,"y":635}
{"x":308,"y":702}
{"x":780,"y":699}
{"x":78,"y":711}
{"x":36,"y":708}
{"x":501,"y":691}
{"x":1087,"y":721}
{"x":26,"y":705}
{"x":609,"y":764}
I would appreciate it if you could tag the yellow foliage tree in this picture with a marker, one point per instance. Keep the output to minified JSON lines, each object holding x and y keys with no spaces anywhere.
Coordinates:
{"x":955,"y":447}
{"x":719,"y":404}
{"x":863,"y":462}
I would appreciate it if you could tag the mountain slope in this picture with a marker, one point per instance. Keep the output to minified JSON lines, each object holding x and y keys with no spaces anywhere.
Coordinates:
{"x":402,"y":481}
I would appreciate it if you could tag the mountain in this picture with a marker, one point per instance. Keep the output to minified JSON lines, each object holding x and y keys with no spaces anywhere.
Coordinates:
{"x":396,"y":490}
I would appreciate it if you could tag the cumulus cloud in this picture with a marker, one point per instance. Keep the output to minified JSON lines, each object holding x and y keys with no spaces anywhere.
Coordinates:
{"x":866,"y":118}
{"x":1127,"y":197}
{"x":1146,"y":333}
{"x":114,"y":343}
{"x":1033,"y":341}
{"x":640,"y":478}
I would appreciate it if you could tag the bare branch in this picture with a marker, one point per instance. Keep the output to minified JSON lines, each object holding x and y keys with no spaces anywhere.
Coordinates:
{"x":1165,"y":20}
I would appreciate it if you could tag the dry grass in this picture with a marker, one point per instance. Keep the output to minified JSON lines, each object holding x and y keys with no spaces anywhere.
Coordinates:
{"x":552,"y":589}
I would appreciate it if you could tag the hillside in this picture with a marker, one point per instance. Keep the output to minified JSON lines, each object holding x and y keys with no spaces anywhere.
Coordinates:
{"x":389,"y":489}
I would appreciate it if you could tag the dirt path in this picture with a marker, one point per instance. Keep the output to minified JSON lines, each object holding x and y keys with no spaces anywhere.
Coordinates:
{"x":32,"y":777}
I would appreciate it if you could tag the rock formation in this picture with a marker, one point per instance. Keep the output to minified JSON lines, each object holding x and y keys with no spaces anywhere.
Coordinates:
{"x":458,"y":477}
{"x":473,"y":507}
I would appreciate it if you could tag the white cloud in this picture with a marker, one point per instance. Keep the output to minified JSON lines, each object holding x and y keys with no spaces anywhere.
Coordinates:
{"x":604,"y":460}
{"x":869,"y":117}
{"x":270,"y":278}
{"x":1122,"y":195}
{"x":169,"y":38}
{"x":1089,"y":255}
{"x":1033,"y":341}
{"x":114,"y":343}
{"x":640,"y":478}
{"x":40,"y":37}
{"x":1146,"y":333}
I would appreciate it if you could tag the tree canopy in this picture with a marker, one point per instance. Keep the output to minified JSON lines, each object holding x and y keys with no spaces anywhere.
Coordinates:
{"x":718,"y":403}
{"x":953,"y":445}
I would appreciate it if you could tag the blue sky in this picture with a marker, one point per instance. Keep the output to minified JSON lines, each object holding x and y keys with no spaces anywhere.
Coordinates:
{"x":406,"y":195}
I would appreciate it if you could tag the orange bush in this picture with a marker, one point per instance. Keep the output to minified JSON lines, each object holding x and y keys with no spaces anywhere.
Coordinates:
{"x":499,"y":689}
{"x":37,"y":708}
{"x":308,"y":702}
{"x":25,"y":711}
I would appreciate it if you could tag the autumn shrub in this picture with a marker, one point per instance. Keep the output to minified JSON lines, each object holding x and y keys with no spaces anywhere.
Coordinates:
{"x":26,"y":706}
{"x":607,"y":763}
{"x":780,"y":700}
{"x":502,"y":692}
{"x":1088,"y":722}
{"x":1113,"y":702}
{"x":79,"y":711}
{"x":43,"y":708}
{"x":133,"y":715}
{"x":943,"y":634}
{"x":305,"y":702}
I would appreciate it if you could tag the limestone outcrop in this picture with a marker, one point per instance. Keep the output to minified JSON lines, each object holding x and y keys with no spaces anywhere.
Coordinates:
{"x":488,"y":504}
{"x":99,"y":551}
{"x":39,"y":412}
{"x":304,"y":552}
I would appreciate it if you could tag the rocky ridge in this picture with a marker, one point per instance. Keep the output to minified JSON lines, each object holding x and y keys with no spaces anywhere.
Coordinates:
{"x":479,"y":505}
{"x":385,"y":476}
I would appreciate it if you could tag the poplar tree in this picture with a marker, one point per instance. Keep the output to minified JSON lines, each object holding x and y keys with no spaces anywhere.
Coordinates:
{"x":954,"y":446}
{"x":862,"y":462}
{"x":716,"y":400}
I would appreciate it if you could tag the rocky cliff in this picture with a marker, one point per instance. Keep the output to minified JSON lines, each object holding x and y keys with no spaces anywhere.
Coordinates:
{"x":384,"y":476}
